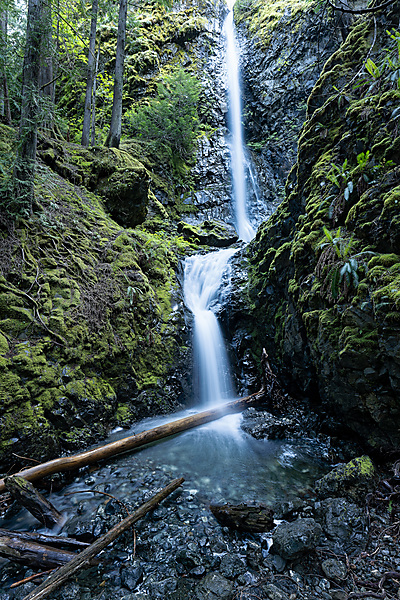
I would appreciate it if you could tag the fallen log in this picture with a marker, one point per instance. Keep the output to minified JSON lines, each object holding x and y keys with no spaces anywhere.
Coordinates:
{"x":33,"y":554}
{"x":88,"y":457}
{"x":27,"y":495}
{"x":80,"y":560}
{"x":41,"y":538}
{"x":244,"y":517}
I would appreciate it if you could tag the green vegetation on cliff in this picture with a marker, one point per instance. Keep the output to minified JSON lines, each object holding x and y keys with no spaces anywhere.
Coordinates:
{"x":325,"y":269}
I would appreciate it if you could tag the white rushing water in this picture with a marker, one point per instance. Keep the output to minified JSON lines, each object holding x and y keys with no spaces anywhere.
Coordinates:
{"x":243,"y":225}
{"x":202,"y":281}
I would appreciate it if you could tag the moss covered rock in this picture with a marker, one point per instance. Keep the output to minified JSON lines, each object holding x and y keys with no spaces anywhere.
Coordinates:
{"x":88,"y":337}
{"x":352,"y":480}
{"x":324,"y":269}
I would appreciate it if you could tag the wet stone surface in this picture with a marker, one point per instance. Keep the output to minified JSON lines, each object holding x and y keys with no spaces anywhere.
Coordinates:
{"x":179,"y":551}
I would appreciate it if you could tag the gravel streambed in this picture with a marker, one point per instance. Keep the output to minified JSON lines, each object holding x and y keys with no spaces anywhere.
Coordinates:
{"x":335,"y":540}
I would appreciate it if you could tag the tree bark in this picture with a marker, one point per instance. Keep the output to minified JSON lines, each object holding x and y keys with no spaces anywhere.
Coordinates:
{"x":25,"y":163}
{"x":79,"y":561}
{"x":114,"y":137}
{"x":33,"y":554}
{"x":6,"y":111}
{"x":244,"y":517}
{"x":90,"y":75}
{"x":135,"y":441}
{"x":41,"y":538}
{"x":46,"y":77}
{"x":93,"y":121}
{"x":25,"y":494}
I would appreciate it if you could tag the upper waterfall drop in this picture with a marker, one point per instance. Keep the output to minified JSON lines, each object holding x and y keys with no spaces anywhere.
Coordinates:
{"x":243,"y":225}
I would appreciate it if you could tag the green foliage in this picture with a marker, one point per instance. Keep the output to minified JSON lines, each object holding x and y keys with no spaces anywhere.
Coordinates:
{"x":386,"y":71}
{"x":340,"y":177}
{"x":336,"y":241}
{"x":169,"y":123}
{"x":373,"y":69}
{"x":341,"y":267}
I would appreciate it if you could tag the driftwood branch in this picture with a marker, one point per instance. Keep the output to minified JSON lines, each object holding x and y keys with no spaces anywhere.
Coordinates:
{"x":81,"y":560}
{"x":82,"y":459}
{"x":27,"y":495}
{"x":244,"y":517}
{"x":33,"y":554}
{"x":41,"y":538}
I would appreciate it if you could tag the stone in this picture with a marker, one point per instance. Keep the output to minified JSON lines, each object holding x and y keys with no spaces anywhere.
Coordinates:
{"x":343,"y":522}
{"x":352,"y":480}
{"x":272,"y":592}
{"x":131,"y":577}
{"x":126,"y":194}
{"x":210,"y":233}
{"x":254,"y":555}
{"x":231,"y":566}
{"x":292,"y":540}
{"x":334,"y":569}
{"x":214,"y":587}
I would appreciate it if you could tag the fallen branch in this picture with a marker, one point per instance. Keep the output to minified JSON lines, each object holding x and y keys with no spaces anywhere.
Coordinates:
{"x":41,"y":538}
{"x":33,"y":554}
{"x":27,"y":495}
{"x":244,"y":517}
{"x":30,"y":578}
{"x":80,"y":560}
{"x":82,"y":459}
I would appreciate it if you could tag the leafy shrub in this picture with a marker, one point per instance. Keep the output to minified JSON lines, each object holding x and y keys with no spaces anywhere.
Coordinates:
{"x":169,"y":123}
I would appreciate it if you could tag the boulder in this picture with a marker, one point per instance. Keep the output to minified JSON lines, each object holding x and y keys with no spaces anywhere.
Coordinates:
{"x":352,"y":480}
{"x":126,"y":194}
{"x":334,"y":569}
{"x":214,"y":587}
{"x":292,"y":540}
{"x":343,"y":523}
{"x":209,"y":233}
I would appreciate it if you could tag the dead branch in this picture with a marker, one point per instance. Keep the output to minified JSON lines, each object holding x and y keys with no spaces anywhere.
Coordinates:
{"x":41,"y":538}
{"x":82,"y":559}
{"x":82,"y":459}
{"x":27,"y":495}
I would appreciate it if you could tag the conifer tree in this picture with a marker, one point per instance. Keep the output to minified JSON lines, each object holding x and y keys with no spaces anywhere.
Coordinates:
{"x":24,"y":169}
{"x":114,"y":135}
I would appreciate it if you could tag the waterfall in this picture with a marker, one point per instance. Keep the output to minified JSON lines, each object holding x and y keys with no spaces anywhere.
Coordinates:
{"x":243,"y":225}
{"x":203,"y":275}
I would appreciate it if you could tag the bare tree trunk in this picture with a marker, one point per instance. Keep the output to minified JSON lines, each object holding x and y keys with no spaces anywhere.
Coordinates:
{"x":24,"y":168}
{"x":5,"y":109}
{"x":114,"y":136}
{"x":93,"y":121}
{"x":46,"y":75}
{"x":46,"y":63}
{"x":90,"y":75}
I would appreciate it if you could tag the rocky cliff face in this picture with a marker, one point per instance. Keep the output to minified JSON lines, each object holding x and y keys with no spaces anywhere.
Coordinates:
{"x":325,"y":268}
{"x":284,"y":47}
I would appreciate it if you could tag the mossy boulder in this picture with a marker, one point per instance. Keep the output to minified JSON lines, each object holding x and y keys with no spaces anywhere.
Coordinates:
{"x":126,"y":194}
{"x":327,"y":300}
{"x":116,"y":175}
{"x":209,"y":233}
{"x":352,"y":480}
